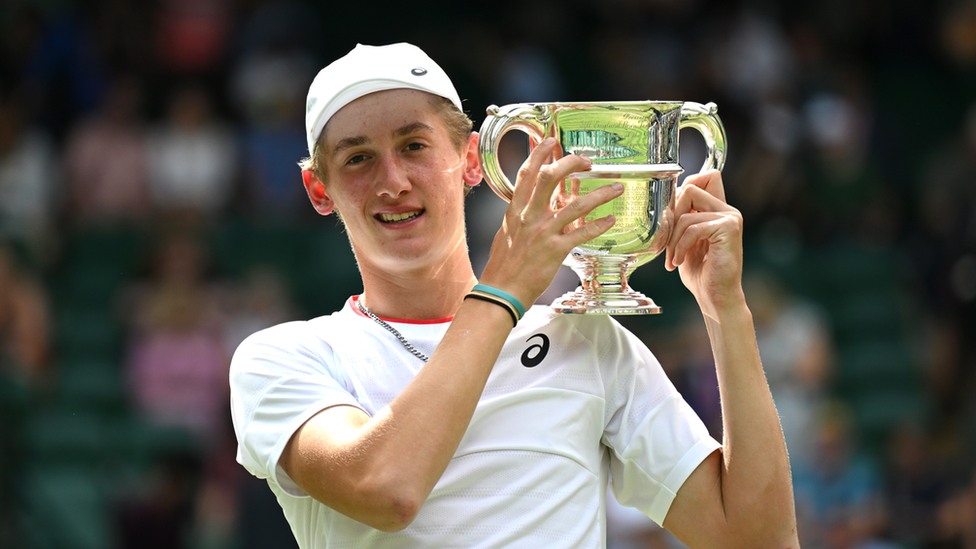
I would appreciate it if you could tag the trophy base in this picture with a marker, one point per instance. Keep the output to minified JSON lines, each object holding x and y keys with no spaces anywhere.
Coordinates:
{"x":581,"y":302}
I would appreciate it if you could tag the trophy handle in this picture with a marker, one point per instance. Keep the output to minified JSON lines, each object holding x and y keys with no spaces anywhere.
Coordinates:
{"x":704,"y":118}
{"x":522,"y":117}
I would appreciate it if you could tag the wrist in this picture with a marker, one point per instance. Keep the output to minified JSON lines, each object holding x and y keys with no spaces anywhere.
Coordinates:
{"x":509,"y":290}
{"x":726,"y":306}
{"x":487,"y":313}
{"x":500,"y":297}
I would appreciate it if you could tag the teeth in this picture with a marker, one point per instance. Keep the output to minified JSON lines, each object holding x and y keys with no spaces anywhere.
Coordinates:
{"x":398,"y":218}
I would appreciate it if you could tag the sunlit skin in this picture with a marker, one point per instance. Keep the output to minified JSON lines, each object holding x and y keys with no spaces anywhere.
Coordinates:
{"x":398,"y":180}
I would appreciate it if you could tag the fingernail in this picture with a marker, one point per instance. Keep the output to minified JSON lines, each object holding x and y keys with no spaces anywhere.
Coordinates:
{"x":548,"y":141}
{"x":619,"y":187}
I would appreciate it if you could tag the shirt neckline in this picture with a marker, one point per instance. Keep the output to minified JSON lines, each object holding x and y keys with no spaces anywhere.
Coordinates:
{"x":355,"y":309}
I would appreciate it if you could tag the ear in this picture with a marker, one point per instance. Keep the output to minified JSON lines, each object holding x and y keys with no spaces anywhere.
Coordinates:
{"x":316,"y":193}
{"x":472,"y":163}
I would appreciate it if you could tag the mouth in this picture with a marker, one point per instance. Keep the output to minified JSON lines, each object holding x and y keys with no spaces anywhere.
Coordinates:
{"x":399,"y":217}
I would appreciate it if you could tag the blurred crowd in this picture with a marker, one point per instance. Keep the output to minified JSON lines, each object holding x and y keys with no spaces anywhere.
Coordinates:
{"x":152,"y":216}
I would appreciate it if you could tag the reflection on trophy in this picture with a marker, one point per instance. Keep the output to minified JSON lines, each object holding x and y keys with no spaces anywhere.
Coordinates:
{"x":635,"y":143}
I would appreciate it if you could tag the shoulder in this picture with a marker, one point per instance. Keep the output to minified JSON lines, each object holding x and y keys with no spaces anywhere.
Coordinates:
{"x":281,"y":336}
{"x":290,"y":342}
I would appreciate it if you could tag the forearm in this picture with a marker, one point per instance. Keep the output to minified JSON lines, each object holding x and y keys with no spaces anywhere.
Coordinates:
{"x":426,"y":421}
{"x":379,"y":470}
{"x":755,"y":473}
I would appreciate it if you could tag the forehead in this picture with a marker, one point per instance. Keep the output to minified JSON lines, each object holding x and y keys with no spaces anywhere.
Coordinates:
{"x":381,"y":112}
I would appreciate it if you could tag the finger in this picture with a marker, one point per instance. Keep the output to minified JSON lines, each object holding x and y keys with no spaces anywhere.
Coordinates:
{"x":710,"y":181}
{"x":692,"y":198}
{"x":582,"y":206}
{"x":681,"y":224}
{"x":552,"y":175}
{"x":696,"y":229}
{"x":588,"y":231}
{"x":528,"y":173}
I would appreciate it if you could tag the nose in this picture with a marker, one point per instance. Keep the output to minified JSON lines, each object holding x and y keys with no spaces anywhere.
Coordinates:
{"x":392,"y":180}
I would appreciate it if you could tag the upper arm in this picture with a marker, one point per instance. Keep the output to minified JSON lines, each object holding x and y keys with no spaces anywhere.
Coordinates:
{"x":331,"y":458}
{"x":697,"y":515}
{"x":314,"y":456}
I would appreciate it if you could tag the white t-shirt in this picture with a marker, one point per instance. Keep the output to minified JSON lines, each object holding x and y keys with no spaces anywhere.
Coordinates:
{"x":570,"y":398}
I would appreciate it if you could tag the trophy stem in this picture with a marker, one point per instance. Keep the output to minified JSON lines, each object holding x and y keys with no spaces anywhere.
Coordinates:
{"x":604,"y":288}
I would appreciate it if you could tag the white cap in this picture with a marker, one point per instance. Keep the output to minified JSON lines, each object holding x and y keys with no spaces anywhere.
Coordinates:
{"x":368,"y":69}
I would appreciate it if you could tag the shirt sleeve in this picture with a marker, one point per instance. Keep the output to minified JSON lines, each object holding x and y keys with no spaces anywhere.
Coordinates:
{"x":279,"y":378}
{"x":655,"y":439}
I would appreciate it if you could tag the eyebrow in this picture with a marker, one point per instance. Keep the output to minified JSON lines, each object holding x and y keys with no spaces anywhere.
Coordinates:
{"x":349,"y":142}
{"x":415,"y":127}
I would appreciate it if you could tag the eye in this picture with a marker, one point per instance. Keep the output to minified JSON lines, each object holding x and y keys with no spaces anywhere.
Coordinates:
{"x":415,"y":146}
{"x":356,"y":159}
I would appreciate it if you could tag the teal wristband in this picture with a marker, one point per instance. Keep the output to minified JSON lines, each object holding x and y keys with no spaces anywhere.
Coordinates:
{"x":506,"y":296}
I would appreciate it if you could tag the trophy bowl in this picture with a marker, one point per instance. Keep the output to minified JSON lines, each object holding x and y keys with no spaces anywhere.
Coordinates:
{"x":634,"y":143}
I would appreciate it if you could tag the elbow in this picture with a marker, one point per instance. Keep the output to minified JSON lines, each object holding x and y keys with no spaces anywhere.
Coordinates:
{"x":396,"y":512}
{"x":389,"y":505}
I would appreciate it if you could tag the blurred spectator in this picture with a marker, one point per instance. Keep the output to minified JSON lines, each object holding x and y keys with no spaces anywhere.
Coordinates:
{"x":176,"y":363}
{"x":192,"y":156}
{"x":216,"y":505}
{"x":797,"y":354}
{"x":957,"y":518}
{"x":63,"y":79}
{"x":192,"y":35}
{"x":261,"y":301}
{"x":28,"y":171}
{"x":121,"y":35}
{"x":161,"y":515}
{"x":947,"y":196}
{"x":24,"y":322}
{"x":958,"y":33}
{"x":754,"y":62}
{"x":916,"y":483}
{"x":527,"y":73}
{"x":269,"y":87}
{"x":848,"y":188}
{"x":839,"y":491}
{"x":943,"y":246}
{"x":177,"y":368}
{"x":105,"y":161}
{"x":260,"y":522}
{"x":769,"y":181}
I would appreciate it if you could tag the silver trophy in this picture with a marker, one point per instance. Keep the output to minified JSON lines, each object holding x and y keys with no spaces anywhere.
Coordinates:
{"x":635,"y":143}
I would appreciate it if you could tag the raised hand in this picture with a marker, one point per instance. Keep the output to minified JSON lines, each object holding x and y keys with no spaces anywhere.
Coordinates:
{"x":706,"y":243}
{"x":534,"y":238}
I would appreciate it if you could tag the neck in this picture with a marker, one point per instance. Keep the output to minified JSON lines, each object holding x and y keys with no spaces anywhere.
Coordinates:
{"x":426,"y":295}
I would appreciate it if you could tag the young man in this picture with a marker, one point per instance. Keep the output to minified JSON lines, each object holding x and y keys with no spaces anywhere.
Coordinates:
{"x":507,"y":434}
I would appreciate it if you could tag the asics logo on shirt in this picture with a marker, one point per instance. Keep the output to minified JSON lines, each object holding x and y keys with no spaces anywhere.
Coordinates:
{"x":535,"y":353}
